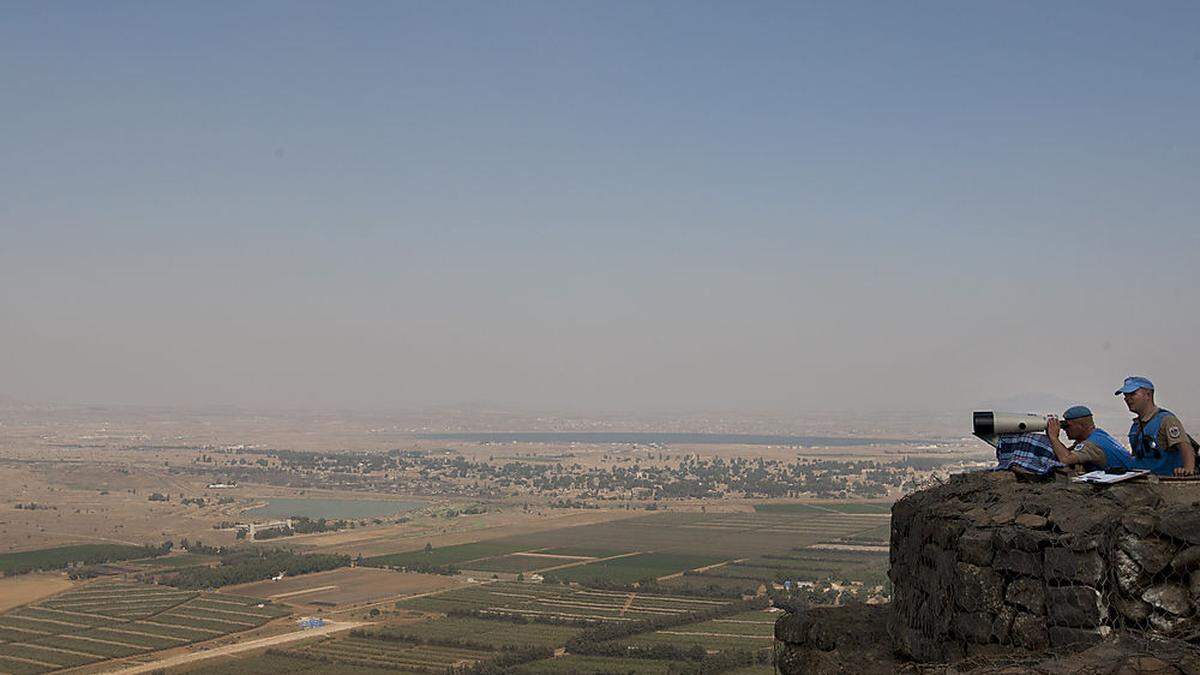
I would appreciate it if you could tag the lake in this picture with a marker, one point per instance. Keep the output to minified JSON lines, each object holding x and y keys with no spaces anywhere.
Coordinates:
{"x":346,"y":509}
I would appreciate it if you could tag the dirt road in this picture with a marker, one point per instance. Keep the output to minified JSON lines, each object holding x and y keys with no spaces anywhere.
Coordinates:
{"x":181,"y":659}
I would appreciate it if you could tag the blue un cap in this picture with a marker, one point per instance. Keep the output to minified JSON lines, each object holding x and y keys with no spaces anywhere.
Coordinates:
{"x":1134,"y":383}
{"x":1077,"y":411}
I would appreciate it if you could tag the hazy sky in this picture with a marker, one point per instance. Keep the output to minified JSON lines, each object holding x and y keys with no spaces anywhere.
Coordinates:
{"x":599,"y":205}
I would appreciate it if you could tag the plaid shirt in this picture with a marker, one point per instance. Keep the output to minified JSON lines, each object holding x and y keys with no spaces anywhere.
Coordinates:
{"x":1028,"y":452}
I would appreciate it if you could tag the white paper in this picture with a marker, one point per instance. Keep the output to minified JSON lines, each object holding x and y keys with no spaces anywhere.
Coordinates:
{"x":1105,"y":478}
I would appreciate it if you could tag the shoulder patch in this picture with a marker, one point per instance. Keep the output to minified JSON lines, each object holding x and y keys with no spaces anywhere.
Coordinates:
{"x":1173,"y":433}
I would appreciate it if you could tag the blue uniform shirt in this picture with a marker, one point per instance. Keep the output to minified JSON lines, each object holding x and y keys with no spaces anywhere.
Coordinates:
{"x":1148,"y":452}
{"x":1114,"y":452}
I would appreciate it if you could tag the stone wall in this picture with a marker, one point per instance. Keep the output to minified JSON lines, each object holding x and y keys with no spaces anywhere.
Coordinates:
{"x":988,"y":564}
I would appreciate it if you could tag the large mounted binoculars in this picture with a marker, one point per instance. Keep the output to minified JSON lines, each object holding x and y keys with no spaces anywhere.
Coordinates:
{"x":988,"y":425}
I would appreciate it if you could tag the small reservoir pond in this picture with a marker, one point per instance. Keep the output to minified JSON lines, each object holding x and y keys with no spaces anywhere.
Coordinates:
{"x":331,"y":509}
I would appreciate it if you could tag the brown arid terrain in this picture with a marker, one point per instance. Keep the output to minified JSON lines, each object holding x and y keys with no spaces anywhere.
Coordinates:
{"x":20,"y":590}
{"x":343,"y":587}
{"x":181,"y":660}
{"x":90,"y":472}
{"x":463,"y":530}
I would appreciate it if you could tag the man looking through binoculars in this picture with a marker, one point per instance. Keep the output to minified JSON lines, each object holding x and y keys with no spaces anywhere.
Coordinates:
{"x":1094,"y":448}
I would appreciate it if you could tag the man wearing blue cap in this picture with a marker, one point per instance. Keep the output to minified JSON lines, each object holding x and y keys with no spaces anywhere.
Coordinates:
{"x":1094,"y":448}
{"x":1156,"y":437}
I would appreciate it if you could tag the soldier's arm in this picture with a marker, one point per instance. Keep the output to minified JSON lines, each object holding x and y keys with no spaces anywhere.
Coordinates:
{"x":1061,"y":451}
{"x":1177,"y":438}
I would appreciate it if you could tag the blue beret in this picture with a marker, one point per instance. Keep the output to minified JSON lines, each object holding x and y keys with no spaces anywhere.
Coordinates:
{"x":1077,"y":411}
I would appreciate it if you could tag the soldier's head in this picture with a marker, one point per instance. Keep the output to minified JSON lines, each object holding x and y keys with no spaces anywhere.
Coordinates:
{"x":1077,"y":422}
{"x":1138,"y":393}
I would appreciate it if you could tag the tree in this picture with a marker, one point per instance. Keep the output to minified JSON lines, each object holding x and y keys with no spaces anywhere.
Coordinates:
{"x":428,"y":548}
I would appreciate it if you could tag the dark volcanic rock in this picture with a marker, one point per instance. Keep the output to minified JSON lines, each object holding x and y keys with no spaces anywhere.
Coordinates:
{"x":1141,"y":524}
{"x":1020,"y":562}
{"x":1029,"y":631}
{"x":1182,"y":524}
{"x":1150,"y":553}
{"x":1062,"y":636}
{"x":988,"y":566}
{"x":1172,"y":598}
{"x":1027,"y":593}
{"x":1076,"y":606}
{"x":1168,"y":624}
{"x":1063,"y":564}
{"x":973,"y":627}
{"x":1030,"y":520}
{"x":1129,"y":574}
{"x":1186,"y":559}
{"x":1021,"y":539}
{"x":978,"y":589}
{"x":834,"y":640}
{"x":975,"y":547}
{"x":1132,"y":609}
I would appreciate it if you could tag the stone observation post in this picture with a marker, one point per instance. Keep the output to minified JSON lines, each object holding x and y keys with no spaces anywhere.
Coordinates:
{"x":988,"y":566}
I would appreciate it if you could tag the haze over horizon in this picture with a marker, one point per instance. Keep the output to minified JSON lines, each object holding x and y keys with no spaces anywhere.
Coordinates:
{"x":609,"y":206}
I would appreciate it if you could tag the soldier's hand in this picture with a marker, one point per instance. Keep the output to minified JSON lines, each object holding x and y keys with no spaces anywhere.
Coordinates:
{"x":1053,"y":428}
{"x":1182,"y":471}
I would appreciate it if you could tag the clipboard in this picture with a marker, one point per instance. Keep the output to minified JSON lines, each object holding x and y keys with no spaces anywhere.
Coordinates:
{"x":1103,"y":478}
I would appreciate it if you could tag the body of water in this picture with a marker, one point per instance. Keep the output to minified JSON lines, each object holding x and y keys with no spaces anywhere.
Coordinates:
{"x":602,"y":437}
{"x":331,"y":509}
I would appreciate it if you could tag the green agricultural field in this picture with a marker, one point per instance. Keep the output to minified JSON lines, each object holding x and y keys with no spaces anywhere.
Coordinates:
{"x":748,"y":630}
{"x":517,"y":563}
{"x":110,"y":619}
{"x":586,"y":551}
{"x":846,"y":507}
{"x":695,"y":584}
{"x":764,"y":669}
{"x":881,"y":535}
{"x":593,"y":665}
{"x":62,"y":556}
{"x":491,"y":632}
{"x":275,"y":663}
{"x":869,"y":567}
{"x":552,"y":600}
{"x":447,"y":555}
{"x":181,"y":561}
{"x":710,"y":537}
{"x":365,"y":651}
{"x":635,"y":567}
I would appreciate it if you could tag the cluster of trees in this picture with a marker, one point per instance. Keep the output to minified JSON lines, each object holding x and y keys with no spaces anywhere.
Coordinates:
{"x":397,"y":635}
{"x":34,"y":506}
{"x":513,"y":617}
{"x":344,"y":660}
{"x":200,"y":547}
{"x":721,"y":662}
{"x":304,"y":525}
{"x":509,"y":658}
{"x":78,"y":556}
{"x":431,"y":568}
{"x":663,"y":651}
{"x":246,"y":565}
{"x":572,"y":504}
